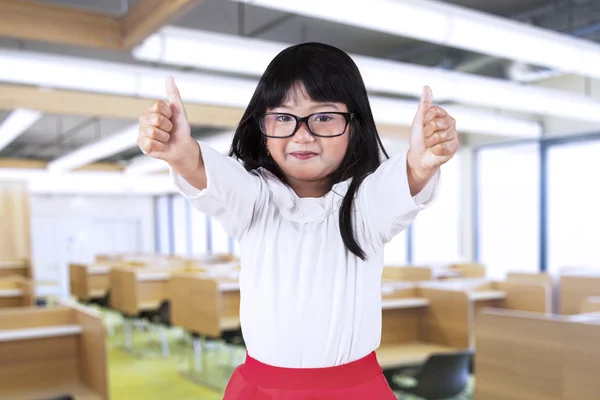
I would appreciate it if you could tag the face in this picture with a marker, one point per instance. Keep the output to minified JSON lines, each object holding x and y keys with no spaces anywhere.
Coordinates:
{"x":306,"y":159}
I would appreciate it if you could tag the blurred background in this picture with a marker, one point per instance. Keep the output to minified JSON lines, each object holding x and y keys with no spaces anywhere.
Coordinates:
{"x":521,"y":77}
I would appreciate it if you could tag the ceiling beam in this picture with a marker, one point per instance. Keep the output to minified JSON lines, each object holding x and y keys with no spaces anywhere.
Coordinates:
{"x":147,"y":16}
{"x":24,"y":19}
{"x":67,"y":102}
{"x":31,"y":20}
{"x":21,"y":163}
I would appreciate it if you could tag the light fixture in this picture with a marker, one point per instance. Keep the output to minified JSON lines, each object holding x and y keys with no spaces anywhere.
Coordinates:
{"x":454,"y":26}
{"x":111,"y":145}
{"x":221,"y":52}
{"x":17,"y":122}
{"x":199,"y":88}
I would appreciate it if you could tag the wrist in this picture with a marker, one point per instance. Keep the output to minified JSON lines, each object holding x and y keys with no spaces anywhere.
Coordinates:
{"x":418,"y":176}
{"x":188,"y":160}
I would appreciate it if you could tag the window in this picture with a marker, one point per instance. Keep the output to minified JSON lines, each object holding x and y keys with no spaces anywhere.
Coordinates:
{"x":573,"y":196}
{"x":180,"y":226}
{"x":508,"y":193}
{"x":199,"y":245}
{"x":436,"y":233}
{"x":163,"y":221}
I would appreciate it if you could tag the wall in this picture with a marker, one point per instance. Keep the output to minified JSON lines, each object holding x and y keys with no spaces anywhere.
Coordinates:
{"x":74,"y":228}
{"x":575,"y":84}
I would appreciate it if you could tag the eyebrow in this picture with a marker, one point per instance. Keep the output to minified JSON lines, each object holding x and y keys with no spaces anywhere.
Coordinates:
{"x":319,"y":105}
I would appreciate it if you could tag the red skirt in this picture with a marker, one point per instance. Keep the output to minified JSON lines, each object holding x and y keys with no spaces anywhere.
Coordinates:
{"x":358,"y":380}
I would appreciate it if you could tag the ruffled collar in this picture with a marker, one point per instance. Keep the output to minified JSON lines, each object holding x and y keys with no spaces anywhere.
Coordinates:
{"x":303,"y":209}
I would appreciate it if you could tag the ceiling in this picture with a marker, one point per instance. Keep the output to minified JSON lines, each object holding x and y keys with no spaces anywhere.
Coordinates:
{"x":56,"y":135}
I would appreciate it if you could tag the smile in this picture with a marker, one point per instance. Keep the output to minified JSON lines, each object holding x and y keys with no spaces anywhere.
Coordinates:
{"x":303,"y":155}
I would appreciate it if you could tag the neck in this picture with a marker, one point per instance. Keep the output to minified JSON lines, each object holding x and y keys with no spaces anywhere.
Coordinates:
{"x":310,"y":189}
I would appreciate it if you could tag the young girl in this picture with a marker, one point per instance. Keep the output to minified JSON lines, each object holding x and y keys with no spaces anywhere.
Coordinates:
{"x":312,"y":205}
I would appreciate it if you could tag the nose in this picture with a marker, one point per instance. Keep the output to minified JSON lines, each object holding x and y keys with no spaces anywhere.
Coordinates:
{"x":303,"y":135}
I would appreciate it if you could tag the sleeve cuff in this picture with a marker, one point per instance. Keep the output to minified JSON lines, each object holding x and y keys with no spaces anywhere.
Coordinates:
{"x":184,"y":188}
{"x":429,"y":193}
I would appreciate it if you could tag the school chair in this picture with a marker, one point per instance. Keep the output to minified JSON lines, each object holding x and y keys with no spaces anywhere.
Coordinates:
{"x":442,"y":376}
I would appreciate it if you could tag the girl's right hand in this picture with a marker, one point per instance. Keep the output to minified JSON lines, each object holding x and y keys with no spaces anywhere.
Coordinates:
{"x":165,"y":132}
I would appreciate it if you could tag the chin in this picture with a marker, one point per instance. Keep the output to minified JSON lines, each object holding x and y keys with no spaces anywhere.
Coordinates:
{"x":307,"y":173}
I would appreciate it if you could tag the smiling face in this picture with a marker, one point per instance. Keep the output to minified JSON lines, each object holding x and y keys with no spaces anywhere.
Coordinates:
{"x":307,"y":160}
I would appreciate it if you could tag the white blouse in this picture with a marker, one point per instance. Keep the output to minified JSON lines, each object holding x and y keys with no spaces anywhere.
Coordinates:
{"x":306,"y":302}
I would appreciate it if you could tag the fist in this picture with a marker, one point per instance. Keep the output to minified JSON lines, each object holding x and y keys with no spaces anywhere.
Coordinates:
{"x":433,"y":138}
{"x":165,"y":132}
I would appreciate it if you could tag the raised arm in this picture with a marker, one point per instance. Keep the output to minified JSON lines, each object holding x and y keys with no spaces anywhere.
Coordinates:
{"x":215,"y":184}
{"x":402,"y":186}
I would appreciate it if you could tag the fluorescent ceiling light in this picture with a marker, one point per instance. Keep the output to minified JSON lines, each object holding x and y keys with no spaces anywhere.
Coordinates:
{"x":144,"y":164}
{"x":454,"y":26}
{"x":195,"y":88}
{"x":221,"y":52}
{"x":88,"y":182}
{"x":111,"y":145}
{"x":17,"y":122}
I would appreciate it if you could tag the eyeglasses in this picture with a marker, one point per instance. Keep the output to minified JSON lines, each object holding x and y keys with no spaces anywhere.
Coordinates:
{"x":323,"y":124}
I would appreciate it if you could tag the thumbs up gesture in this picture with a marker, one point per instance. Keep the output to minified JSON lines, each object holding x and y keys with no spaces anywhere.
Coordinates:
{"x":433,"y":138}
{"x":165,"y":132}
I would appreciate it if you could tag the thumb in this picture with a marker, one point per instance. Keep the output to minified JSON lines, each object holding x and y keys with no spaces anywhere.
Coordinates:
{"x":424,"y":104}
{"x":174,"y":97}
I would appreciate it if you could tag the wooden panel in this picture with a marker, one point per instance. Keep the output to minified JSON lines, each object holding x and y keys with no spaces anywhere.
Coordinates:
{"x":92,"y":352}
{"x":98,"y":285}
{"x":151,"y":294}
{"x":408,"y":354}
{"x":574,"y":289}
{"x":401,"y":325}
{"x":15,"y":236}
{"x":449,"y":318}
{"x":123,"y":291}
{"x":591,"y":305}
{"x":407,"y":273}
{"x":530,"y":277}
{"x":35,"y":317}
{"x":526,"y":295}
{"x":530,"y":356}
{"x":78,"y":281}
{"x":470,"y":270}
{"x":147,"y":16}
{"x":25,"y":19}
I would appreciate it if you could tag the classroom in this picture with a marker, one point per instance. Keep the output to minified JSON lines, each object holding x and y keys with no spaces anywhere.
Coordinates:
{"x":120,"y":279}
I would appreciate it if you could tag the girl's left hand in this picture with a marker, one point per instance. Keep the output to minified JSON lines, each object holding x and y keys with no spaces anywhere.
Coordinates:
{"x":433,"y":139}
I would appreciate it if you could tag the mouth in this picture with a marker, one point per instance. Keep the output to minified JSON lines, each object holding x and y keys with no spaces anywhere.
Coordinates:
{"x":303,"y":155}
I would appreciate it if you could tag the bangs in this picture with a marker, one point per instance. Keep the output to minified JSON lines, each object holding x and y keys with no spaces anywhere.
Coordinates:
{"x":310,"y":71}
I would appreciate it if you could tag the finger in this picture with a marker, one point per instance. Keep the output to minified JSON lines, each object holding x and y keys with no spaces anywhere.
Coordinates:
{"x":424,"y":105}
{"x":155,"y":133}
{"x":439,"y":137}
{"x":437,"y":124}
{"x":157,"y":120}
{"x":434,"y":112}
{"x":175,"y":102}
{"x":149,"y":145}
{"x":447,"y":148}
{"x":161,"y":107}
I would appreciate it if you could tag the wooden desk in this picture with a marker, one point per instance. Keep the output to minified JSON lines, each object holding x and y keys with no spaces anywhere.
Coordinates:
{"x":134,"y":290}
{"x":14,"y":267}
{"x":575,"y":287}
{"x":533,"y":356}
{"x":408,"y":354}
{"x":591,"y":305}
{"x":89,"y":282}
{"x":16,"y":291}
{"x":54,"y":351}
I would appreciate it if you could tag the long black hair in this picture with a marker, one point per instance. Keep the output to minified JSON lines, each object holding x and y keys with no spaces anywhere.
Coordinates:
{"x":328,"y":75}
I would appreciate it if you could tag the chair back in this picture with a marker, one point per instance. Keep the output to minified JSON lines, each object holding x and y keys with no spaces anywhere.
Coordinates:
{"x":443,"y":375}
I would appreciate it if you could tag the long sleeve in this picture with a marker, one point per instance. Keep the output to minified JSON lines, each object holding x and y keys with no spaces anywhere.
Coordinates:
{"x":384,"y":197}
{"x":230,"y":195}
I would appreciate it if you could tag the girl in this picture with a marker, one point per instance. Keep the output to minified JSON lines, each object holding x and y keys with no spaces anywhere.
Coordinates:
{"x":312,"y":206}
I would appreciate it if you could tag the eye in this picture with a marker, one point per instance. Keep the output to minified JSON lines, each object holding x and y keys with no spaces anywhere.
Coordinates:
{"x":283,"y":118}
{"x":323,"y":117}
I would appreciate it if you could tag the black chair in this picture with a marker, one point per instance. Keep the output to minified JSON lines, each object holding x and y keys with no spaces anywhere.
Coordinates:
{"x":442,"y":376}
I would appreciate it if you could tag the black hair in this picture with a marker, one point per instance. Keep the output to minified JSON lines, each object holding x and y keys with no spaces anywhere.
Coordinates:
{"x":328,"y":75}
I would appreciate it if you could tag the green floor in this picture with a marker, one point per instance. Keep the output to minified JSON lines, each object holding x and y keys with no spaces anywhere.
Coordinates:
{"x":146,"y":375}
